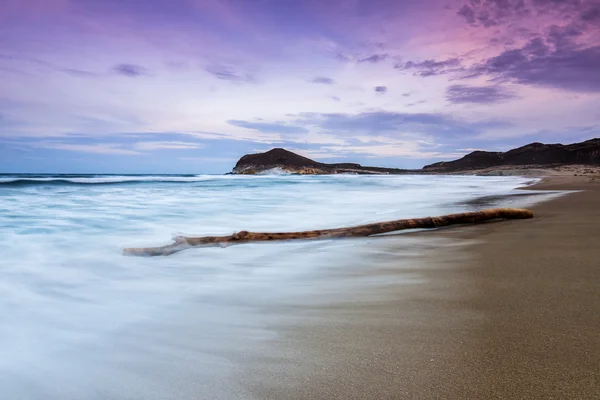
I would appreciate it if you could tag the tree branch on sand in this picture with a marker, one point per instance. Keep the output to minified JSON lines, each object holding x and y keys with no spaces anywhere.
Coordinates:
{"x":183,"y":242}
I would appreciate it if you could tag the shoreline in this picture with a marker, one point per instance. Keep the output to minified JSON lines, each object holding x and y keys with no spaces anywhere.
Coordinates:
{"x":509,"y":311}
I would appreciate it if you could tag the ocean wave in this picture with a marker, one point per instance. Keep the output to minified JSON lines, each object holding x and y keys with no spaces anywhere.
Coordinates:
{"x":100,"y":180}
{"x":274,"y":171}
{"x":7,"y":181}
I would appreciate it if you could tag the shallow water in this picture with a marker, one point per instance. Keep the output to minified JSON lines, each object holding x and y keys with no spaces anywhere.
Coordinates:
{"x":81,"y":321}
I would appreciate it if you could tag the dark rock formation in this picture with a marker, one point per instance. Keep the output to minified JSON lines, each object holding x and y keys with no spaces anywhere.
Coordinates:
{"x":534,"y":154}
{"x":284,"y":160}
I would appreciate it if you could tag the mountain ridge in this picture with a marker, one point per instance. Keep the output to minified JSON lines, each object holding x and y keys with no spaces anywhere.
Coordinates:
{"x":534,"y":154}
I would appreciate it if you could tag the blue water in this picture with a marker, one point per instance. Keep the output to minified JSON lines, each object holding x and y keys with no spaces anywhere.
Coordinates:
{"x":79,"y":320}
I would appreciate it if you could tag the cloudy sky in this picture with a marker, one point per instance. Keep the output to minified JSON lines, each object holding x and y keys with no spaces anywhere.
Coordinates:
{"x":189,"y":86}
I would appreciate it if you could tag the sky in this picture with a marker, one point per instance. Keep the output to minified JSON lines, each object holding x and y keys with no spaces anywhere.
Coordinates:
{"x":189,"y":86}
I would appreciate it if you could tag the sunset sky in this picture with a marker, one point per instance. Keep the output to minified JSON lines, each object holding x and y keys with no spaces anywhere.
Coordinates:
{"x":189,"y":86}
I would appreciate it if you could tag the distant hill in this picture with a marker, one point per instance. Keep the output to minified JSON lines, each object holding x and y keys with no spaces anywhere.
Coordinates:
{"x":534,"y":154}
{"x":284,"y":160}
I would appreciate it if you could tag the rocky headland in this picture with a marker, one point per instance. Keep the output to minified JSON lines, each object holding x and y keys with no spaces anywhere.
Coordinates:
{"x":279,"y":159}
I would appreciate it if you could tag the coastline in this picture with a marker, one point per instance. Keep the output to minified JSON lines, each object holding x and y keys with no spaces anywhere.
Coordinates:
{"x":508,"y":311}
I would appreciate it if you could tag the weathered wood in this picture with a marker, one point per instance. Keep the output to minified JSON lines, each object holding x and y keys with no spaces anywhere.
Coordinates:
{"x":183,"y":242}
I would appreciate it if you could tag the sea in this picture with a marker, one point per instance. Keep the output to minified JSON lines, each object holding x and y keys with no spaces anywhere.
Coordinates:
{"x":79,"y":320}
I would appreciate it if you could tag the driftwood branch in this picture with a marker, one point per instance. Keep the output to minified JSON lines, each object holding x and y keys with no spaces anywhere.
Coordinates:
{"x":183,"y":242}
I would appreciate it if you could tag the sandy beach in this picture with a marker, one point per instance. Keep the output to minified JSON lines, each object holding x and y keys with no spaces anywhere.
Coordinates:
{"x":510,"y":311}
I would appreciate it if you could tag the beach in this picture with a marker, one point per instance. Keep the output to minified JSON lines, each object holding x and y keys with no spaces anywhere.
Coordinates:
{"x":497,"y":310}
{"x":510,"y":311}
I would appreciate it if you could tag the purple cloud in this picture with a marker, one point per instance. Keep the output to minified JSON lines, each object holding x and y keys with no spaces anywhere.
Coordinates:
{"x":79,"y":73}
{"x":47,"y":65}
{"x":416,"y":103}
{"x":430,"y":67}
{"x":129,"y":70}
{"x":228,"y":74}
{"x":591,"y":14}
{"x":268,"y":127}
{"x":460,"y":94}
{"x":570,"y":68}
{"x":375,"y":58}
{"x":323,"y":80}
{"x":372,"y":59}
{"x":380,"y":89}
{"x":467,"y":13}
{"x":563,"y":37}
{"x":489,"y":13}
{"x":536,"y":47}
{"x":390,"y":123}
{"x":561,"y":49}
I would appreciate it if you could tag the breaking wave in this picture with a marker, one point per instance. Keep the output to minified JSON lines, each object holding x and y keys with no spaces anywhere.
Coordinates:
{"x":60,"y":180}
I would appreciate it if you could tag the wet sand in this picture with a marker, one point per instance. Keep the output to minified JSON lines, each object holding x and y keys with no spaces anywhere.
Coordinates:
{"x":512,"y":314}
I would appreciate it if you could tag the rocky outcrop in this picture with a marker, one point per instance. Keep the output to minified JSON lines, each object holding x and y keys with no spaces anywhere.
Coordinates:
{"x":534,"y":154}
{"x":285,"y":161}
